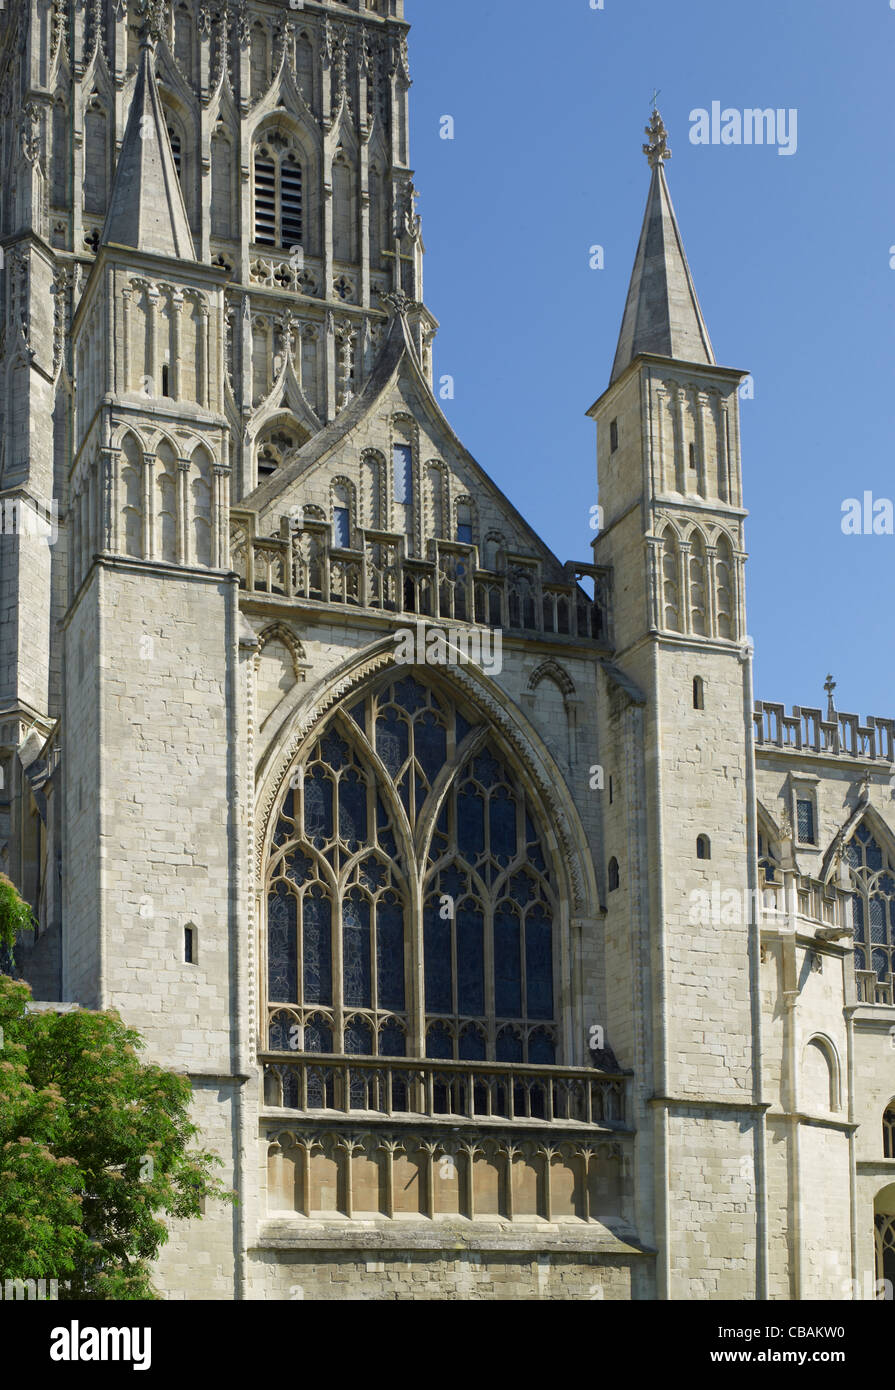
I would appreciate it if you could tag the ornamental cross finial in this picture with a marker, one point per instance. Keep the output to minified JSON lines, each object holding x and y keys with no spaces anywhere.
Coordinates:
{"x":829,"y":687}
{"x":657,"y":151}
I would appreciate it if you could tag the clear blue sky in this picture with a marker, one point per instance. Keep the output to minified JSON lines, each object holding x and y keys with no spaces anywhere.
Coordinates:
{"x":790,"y":256}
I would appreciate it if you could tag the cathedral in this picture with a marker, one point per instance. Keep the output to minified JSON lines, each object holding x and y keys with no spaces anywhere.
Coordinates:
{"x":561,"y":974}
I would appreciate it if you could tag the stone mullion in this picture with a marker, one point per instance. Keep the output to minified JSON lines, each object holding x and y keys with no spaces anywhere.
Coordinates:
{"x":183,"y":468}
{"x":338,"y":962}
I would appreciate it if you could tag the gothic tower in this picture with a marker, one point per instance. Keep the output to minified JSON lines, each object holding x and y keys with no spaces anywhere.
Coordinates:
{"x":681,"y":829}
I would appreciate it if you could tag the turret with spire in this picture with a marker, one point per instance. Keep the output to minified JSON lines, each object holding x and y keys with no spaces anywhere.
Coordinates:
{"x":669,"y":486}
{"x":662,"y":313}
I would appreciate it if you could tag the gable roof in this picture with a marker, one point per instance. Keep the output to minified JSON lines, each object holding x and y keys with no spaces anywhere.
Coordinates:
{"x":397,"y":354}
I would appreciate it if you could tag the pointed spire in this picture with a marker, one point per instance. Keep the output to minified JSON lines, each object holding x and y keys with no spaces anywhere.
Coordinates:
{"x":146,"y":210}
{"x":662,"y":313}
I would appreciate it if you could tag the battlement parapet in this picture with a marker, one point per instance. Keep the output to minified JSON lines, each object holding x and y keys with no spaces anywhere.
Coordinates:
{"x":807,"y":731}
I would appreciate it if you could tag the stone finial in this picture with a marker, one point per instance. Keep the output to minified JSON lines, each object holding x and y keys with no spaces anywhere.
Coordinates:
{"x":657,"y":151}
{"x":829,"y":687}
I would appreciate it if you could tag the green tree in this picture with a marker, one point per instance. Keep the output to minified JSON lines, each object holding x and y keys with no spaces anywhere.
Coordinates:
{"x":94,"y":1151}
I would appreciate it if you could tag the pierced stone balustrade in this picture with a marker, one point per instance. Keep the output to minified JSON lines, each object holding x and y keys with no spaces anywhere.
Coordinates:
{"x":483,"y":1092}
{"x":304,"y":564}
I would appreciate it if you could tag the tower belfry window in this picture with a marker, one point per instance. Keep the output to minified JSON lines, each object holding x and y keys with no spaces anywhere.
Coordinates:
{"x":278,"y":193}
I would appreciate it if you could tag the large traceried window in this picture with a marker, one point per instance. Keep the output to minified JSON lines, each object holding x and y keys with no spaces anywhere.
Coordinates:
{"x":353,"y":967}
{"x":873,"y":904}
{"x":278,"y":192}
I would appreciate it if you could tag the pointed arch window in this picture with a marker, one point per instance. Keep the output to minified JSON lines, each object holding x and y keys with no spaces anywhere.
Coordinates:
{"x":402,"y":787}
{"x":889,"y":1131}
{"x":873,"y":905}
{"x":278,"y":191}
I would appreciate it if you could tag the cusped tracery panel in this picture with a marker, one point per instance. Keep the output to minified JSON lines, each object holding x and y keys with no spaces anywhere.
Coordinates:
{"x":402,"y":787}
{"x":873,"y":904}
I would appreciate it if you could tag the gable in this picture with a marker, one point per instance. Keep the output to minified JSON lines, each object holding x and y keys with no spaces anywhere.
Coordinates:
{"x":351,"y":463}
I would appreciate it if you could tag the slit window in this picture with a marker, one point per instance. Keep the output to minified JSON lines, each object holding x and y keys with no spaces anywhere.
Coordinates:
{"x":403,"y":467}
{"x":693,"y":457}
{"x":613,"y":436}
{"x":613,"y":875}
{"x":698,"y":693}
{"x":342,"y":527}
{"x":189,"y":945}
{"x":166,"y":380}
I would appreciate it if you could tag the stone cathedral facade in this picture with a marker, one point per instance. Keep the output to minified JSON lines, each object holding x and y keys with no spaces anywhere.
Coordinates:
{"x":567,"y":976}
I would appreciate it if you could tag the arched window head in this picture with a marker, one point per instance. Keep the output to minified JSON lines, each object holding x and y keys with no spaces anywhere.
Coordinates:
{"x":889,"y":1131}
{"x":873,"y":912}
{"x":703,"y":847}
{"x":613,"y":875}
{"x":345,"y":846}
{"x":278,"y":176}
{"x":698,"y":692}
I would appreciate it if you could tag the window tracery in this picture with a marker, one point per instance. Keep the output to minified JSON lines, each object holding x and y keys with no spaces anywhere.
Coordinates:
{"x":347,"y":848}
{"x":873,"y":904}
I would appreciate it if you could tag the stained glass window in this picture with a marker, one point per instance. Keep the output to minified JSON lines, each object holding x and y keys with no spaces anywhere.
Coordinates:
{"x":873,"y":904}
{"x":387,"y":791}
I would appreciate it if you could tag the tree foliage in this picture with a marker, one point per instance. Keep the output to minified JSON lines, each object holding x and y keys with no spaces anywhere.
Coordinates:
{"x":94,"y":1151}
